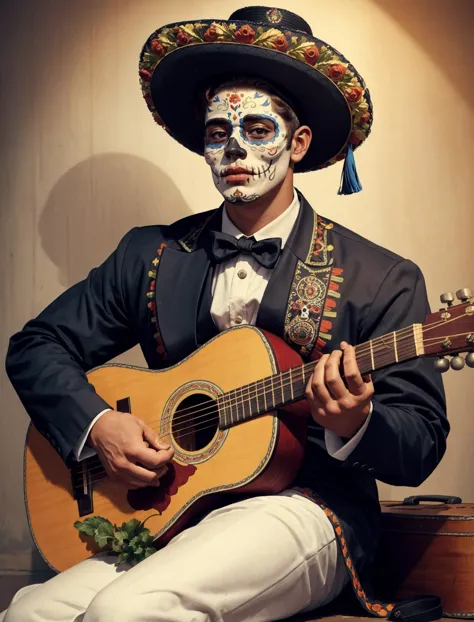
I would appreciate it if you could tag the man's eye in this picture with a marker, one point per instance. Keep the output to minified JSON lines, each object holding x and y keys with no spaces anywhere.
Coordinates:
{"x":218,"y":135}
{"x":259,"y":132}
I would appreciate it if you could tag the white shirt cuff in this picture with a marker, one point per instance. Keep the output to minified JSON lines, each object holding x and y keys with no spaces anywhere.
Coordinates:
{"x":81,"y":452}
{"x":336,"y":447}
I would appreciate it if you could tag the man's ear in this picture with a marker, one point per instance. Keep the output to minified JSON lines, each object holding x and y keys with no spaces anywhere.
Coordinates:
{"x":300,"y":143}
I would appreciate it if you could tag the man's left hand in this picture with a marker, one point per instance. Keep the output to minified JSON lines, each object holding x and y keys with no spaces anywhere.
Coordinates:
{"x":339,"y":406}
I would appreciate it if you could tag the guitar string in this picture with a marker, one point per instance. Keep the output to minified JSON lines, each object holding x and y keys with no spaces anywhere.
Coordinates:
{"x":409,"y":329}
{"x":297,"y":375}
{"x":378,"y":346}
{"x":402,"y":347}
{"x":212,"y":411}
{"x":99,"y":473}
{"x":412,"y":333}
{"x":300,"y":372}
{"x":296,"y":371}
{"x":359,"y":354}
{"x":216,"y":416}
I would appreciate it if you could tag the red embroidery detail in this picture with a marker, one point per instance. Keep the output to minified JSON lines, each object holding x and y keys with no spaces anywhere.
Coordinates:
{"x":376,"y":607}
{"x":326,"y":326}
{"x":320,"y":240}
{"x":160,"y":348}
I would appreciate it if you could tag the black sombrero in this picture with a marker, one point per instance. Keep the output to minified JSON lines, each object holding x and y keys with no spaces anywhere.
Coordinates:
{"x":180,"y":61}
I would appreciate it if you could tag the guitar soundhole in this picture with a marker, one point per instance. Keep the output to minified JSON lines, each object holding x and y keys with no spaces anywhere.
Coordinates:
{"x":195,"y":422}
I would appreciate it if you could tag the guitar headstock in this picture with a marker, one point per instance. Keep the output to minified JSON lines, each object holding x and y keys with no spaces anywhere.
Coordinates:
{"x":451,"y":331}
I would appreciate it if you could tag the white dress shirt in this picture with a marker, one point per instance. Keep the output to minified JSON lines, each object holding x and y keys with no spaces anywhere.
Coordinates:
{"x":237,"y":291}
{"x":239,"y":284}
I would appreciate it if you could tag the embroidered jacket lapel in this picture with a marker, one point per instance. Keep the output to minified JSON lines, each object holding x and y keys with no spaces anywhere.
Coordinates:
{"x":294,"y":299}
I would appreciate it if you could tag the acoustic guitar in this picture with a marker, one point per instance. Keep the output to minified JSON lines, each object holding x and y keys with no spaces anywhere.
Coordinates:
{"x":227,"y":411}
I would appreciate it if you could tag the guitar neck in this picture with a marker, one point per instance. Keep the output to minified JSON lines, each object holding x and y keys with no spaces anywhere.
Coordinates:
{"x":273,"y":392}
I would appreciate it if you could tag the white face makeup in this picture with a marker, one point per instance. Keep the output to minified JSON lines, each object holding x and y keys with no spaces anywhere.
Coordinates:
{"x":246,"y":144}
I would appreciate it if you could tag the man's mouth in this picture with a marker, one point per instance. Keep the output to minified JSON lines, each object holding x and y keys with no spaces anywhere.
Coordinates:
{"x":240,"y":174}
{"x":236,"y":174}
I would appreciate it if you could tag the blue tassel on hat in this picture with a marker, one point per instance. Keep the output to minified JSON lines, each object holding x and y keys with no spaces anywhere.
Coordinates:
{"x":349,"y":179}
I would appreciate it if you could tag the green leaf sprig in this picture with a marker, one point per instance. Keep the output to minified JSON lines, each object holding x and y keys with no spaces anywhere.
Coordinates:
{"x":131,"y":542}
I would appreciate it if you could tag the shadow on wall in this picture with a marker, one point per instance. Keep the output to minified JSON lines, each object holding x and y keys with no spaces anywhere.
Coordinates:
{"x":444,"y":31}
{"x":87,"y":212}
{"x":96,"y":202}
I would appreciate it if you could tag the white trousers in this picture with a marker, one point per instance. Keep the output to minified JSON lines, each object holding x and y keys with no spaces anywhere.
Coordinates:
{"x":264,"y":558}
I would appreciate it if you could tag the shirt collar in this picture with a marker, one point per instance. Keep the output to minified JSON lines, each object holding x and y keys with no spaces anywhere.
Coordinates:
{"x":279,"y":228}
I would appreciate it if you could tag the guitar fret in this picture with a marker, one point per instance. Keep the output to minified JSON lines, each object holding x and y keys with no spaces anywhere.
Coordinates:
{"x":273,"y":392}
{"x":231,"y":408}
{"x":221,"y":409}
{"x":253,"y":395}
{"x":227,"y":414}
{"x":395,"y":345}
{"x":224,"y":413}
{"x":236,"y":405}
{"x":291,"y":387}
{"x":407,"y":346}
{"x":401,"y":350}
{"x":372,"y":354}
{"x":281,"y":387}
{"x":265,"y":396}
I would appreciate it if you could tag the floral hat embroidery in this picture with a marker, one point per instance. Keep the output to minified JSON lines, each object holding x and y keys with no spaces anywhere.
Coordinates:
{"x":180,"y":61}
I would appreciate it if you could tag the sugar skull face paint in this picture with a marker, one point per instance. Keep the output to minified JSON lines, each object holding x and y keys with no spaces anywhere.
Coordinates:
{"x":246,"y":144}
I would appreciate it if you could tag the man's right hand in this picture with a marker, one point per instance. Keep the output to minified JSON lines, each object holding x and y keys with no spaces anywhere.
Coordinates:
{"x":130,"y":450}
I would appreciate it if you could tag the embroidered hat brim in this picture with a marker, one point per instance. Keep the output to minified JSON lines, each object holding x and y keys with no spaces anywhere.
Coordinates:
{"x":180,"y":61}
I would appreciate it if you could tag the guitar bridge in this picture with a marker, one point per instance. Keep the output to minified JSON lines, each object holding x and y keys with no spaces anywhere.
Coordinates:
{"x":82,"y":488}
{"x":82,"y":484}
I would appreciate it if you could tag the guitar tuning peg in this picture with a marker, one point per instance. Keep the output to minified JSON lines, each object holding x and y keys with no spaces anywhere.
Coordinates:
{"x":470,"y":359}
{"x":441,"y":365}
{"x":457,"y":362}
{"x":464,"y":294}
{"x":447,"y":298}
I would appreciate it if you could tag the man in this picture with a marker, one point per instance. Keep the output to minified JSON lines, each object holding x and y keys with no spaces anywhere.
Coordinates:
{"x":261,"y":99}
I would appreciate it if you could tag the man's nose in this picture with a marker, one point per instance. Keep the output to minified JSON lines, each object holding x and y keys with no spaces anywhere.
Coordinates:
{"x":234,"y":150}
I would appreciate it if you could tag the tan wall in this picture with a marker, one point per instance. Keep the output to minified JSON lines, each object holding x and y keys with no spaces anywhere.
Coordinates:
{"x":82,"y":162}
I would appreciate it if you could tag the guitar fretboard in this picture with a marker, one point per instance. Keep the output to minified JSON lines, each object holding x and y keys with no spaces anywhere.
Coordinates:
{"x":273,"y":392}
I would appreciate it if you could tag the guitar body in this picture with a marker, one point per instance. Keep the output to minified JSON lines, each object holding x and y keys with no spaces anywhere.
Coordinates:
{"x":258,"y":456}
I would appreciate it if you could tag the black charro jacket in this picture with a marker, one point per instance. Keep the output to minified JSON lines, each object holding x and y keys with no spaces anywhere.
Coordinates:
{"x":329,"y":285}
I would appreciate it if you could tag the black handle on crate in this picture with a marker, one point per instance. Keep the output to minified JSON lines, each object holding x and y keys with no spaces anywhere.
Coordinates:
{"x":415,"y":500}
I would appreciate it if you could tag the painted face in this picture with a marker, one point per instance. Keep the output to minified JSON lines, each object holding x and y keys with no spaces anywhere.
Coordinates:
{"x":246,"y":144}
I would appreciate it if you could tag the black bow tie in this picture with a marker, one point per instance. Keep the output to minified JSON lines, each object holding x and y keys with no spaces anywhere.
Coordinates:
{"x":225,"y":247}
